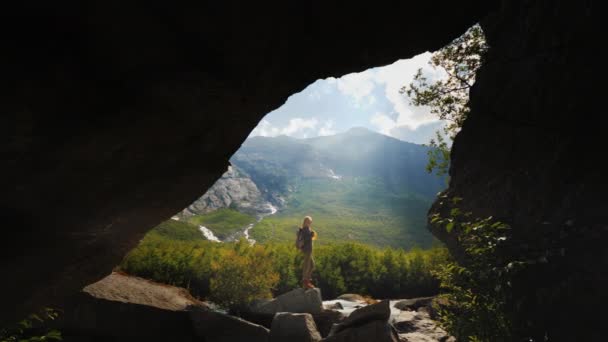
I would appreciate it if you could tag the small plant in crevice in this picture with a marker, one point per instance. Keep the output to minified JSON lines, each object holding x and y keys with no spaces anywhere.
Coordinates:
{"x":33,"y":328}
{"x":502,"y":287}
{"x":476,"y":290}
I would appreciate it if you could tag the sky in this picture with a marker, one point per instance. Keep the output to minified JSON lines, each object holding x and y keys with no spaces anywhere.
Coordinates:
{"x":368,"y":99}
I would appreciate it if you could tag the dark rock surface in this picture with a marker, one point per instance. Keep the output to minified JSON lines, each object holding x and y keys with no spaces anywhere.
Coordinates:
{"x":116,"y":117}
{"x":294,"y":327}
{"x":380,"y":311}
{"x":529,"y":153}
{"x":418,"y":326}
{"x":219,"y":327}
{"x":324,"y":320}
{"x":414,"y":303}
{"x":378,"y":331}
{"x":298,"y":300}
{"x":87,"y":318}
{"x":125,"y":308}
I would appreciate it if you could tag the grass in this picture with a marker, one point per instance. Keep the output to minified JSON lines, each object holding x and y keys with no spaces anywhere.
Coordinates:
{"x":177,"y":230}
{"x":351,"y":209}
{"x":223,"y":222}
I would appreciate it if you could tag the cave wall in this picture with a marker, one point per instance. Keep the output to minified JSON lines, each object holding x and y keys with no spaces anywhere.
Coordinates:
{"x":531,"y":154}
{"x":116,"y":116}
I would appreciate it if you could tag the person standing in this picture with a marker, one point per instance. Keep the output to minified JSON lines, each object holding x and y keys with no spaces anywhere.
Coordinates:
{"x":304,"y":240}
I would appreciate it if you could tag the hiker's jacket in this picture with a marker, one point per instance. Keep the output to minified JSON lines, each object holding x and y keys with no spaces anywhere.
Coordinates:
{"x":306,"y":236}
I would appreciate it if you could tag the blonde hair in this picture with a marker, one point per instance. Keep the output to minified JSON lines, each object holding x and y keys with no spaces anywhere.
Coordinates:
{"x":308,"y":220}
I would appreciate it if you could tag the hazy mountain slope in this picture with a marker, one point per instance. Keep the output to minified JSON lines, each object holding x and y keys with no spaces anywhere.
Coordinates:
{"x":361,"y":152}
{"x":358,"y":185}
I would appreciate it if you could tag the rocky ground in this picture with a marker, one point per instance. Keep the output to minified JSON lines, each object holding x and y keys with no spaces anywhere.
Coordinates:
{"x":126,"y":308}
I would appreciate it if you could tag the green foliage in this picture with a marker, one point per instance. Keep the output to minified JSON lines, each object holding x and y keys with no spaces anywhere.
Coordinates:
{"x":241,"y":275}
{"x":175,"y":262}
{"x":439,"y":155}
{"x":448,"y":97}
{"x":235,"y":273}
{"x":223,"y":222}
{"x":177,"y":230}
{"x":351,"y":209}
{"x":477,"y":290}
{"x":32,"y":328}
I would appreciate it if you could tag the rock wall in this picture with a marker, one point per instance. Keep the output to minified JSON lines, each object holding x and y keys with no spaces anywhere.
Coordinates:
{"x":233,"y":190}
{"x":531,"y":151}
{"x":117,"y":116}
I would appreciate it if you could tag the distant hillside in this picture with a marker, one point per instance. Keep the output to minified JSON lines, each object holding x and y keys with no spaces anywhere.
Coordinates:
{"x":359,"y":185}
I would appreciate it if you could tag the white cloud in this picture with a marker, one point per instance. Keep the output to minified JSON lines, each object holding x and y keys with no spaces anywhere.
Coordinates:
{"x":384,"y":123}
{"x":265,"y":129}
{"x":421,"y":135}
{"x":399,"y":74}
{"x":356,"y":85}
{"x":370,"y":98}
{"x":391,"y":78}
{"x":327,"y":128}
{"x":298,"y":124}
{"x":295,"y":127}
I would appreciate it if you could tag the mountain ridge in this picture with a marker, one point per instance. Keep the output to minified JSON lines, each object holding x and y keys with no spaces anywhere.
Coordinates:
{"x":360,"y":180}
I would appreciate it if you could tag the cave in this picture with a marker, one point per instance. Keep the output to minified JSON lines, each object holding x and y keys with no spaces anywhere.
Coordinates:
{"x":115,"y":117}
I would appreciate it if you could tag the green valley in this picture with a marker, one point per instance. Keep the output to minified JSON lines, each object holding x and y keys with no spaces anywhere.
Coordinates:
{"x":350,"y":209}
{"x":359,"y":186}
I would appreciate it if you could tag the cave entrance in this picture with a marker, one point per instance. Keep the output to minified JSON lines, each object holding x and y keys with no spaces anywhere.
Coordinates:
{"x":352,"y":153}
{"x":364,"y":155}
{"x":361,"y":155}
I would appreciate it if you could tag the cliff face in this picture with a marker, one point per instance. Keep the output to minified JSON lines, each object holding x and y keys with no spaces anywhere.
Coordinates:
{"x":530,"y":153}
{"x":116,"y":116}
{"x":233,"y":190}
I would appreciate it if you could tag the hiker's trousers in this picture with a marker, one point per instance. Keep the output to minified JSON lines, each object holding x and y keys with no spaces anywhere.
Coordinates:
{"x":308,"y":265}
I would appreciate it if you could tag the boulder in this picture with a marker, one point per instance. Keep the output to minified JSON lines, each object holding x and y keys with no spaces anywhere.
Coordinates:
{"x":324,"y":320}
{"x":86,"y":318}
{"x":352,"y":297}
{"x":219,"y":327}
{"x":126,"y":308}
{"x":294,"y":327}
{"x":418,"y":326}
{"x":298,"y":300}
{"x":121,"y":287}
{"x":376,"y":331}
{"x":334,"y":306}
{"x":374,"y":312}
{"x":414,"y":303}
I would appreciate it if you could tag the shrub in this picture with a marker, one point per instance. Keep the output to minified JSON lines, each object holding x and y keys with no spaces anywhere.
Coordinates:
{"x":234,"y":273}
{"x":240,"y":278}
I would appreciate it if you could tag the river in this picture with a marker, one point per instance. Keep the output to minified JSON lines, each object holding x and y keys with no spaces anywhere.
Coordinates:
{"x":271,"y":211}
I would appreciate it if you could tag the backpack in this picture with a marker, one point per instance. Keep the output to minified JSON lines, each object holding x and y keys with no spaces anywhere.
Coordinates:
{"x":299,"y":240}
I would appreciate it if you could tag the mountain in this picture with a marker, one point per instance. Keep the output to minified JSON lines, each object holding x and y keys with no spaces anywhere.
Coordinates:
{"x":234,"y":190}
{"x":359,"y":185}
